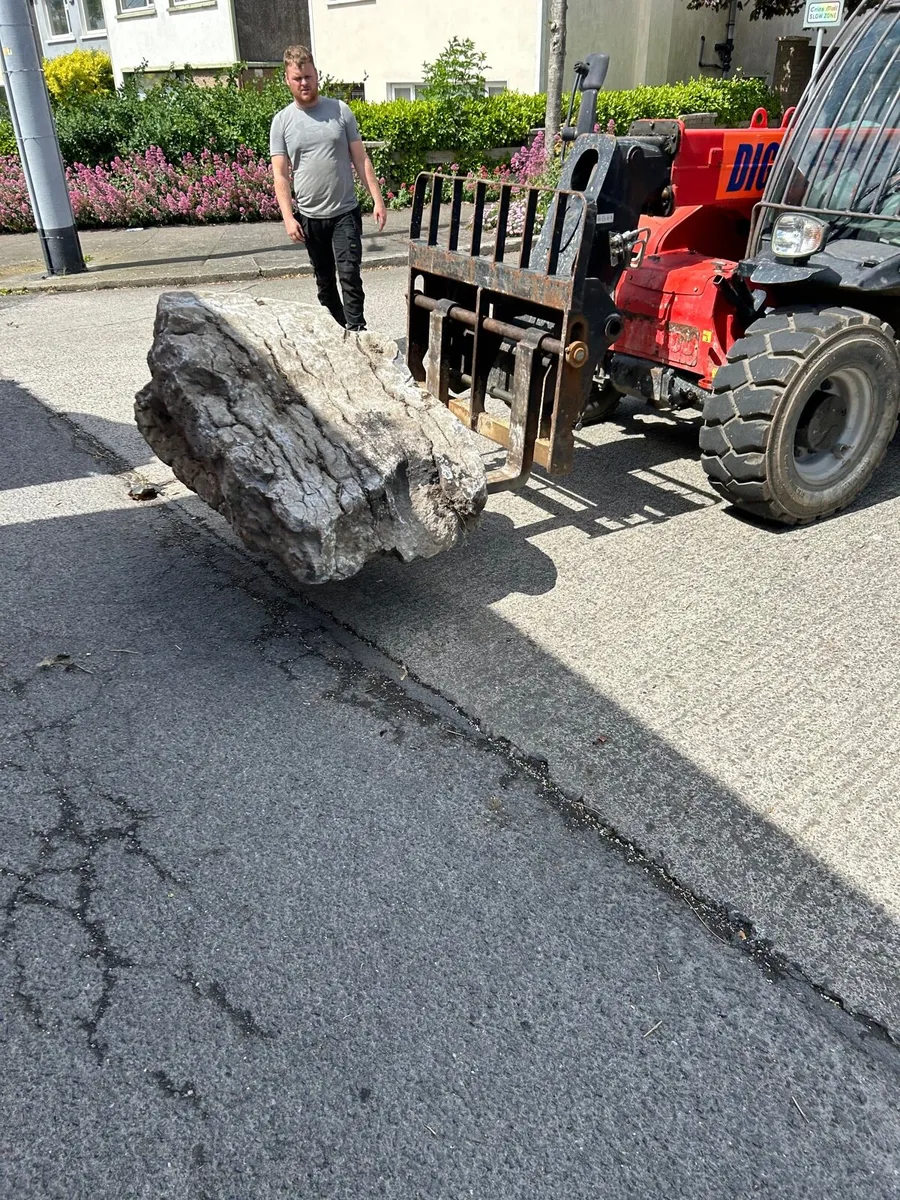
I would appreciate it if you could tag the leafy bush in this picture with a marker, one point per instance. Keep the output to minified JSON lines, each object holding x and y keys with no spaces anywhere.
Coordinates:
{"x":7,"y":137}
{"x":456,"y":74}
{"x":78,"y":74}
{"x":411,"y":130}
{"x":176,"y":115}
{"x":734,"y":100}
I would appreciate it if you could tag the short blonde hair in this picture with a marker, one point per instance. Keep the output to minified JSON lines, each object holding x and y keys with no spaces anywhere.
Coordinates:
{"x":296,"y":56}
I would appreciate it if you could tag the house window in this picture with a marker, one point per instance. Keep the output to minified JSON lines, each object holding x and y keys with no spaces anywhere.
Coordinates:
{"x":57,"y":15}
{"x":496,"y":89}
{"x":92,"y":20}
{"x":403,"y":91}
{"x":127,"y":6}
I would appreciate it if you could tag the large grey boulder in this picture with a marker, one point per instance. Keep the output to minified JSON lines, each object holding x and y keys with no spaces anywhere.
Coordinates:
{"x":314,"y":443}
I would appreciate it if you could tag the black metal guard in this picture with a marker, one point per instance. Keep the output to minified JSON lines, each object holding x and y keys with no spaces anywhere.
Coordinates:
{"x":516,"y":216}
{"x":503,"y":277}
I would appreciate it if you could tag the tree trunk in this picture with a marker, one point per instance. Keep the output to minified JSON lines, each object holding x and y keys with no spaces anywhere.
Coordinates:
{"x":556,"y":65}
{"x":313,"y":443}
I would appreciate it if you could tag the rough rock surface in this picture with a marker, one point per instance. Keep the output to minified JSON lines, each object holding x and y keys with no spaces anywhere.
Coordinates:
{"x":313,"y":443}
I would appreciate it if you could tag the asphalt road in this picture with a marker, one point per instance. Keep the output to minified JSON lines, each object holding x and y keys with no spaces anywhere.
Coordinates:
{"x":743,"y":678}
{"x":280,"y":919}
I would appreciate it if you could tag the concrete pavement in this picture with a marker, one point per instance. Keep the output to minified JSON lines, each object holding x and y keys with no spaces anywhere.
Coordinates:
{"x":721,"y":694}
{"x":277,"y":921}
{"x":182,"y":255}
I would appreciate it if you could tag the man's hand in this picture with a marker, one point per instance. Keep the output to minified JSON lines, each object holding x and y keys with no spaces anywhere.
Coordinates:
{"x":282,"y":176}
{"x":294,"y":230}
{"x":362,"y":164}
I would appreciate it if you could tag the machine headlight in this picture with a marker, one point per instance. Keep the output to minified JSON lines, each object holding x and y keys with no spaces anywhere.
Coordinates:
{"x":796,"y":236}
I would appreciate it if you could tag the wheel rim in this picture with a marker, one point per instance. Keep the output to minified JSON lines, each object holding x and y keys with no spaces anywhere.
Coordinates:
{"x":835,"y":426}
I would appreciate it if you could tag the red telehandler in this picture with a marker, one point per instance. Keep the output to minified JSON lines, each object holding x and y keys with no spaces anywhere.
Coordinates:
{"x":751,"y":274}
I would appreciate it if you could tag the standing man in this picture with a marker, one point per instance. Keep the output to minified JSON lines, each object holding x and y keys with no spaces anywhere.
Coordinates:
{"x":316,"y":140}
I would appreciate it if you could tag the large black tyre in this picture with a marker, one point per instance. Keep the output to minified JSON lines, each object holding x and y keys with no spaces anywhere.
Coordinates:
{"x":802,"y":413}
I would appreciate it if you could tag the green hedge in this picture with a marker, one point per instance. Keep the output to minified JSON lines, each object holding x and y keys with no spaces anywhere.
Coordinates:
{"x":468,"y":128}
{"x":180,"y":116}
{"x":734,"y":100}
{"x":7,"y":138}
{"x":177,"y":115}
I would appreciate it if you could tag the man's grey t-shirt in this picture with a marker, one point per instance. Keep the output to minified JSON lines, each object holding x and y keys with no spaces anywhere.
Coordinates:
{"x":317,"y":141}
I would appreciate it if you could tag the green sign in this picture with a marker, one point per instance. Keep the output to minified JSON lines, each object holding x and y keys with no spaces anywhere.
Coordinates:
{"x":821,"y":13}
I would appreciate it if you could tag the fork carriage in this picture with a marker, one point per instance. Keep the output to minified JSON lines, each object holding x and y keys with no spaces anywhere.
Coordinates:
{"x":519,"y":294}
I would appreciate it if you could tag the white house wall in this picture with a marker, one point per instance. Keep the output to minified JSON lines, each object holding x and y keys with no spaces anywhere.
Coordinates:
{"x":77,"y":39}
{"x":634,"y":33}
{"x":755,"y":42}
{"x":658,"y":41}
{"x":199,"y":35}
{"x":384,"y":42}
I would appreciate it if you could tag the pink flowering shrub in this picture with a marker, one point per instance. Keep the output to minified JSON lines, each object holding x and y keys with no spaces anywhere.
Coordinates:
{"x":532,"y":166}
{"x":15,"y":207}
{"x":147,"y":189}
{"x":529,"y":165}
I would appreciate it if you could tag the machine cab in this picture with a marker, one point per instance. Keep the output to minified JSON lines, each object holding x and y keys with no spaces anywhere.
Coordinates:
{"x":832,"y":204}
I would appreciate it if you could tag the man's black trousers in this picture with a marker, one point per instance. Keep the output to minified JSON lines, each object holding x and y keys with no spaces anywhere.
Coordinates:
{"x":335,"y":251}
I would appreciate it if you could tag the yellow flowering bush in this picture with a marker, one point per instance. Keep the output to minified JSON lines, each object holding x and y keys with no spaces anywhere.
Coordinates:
{"x":80,"y":73}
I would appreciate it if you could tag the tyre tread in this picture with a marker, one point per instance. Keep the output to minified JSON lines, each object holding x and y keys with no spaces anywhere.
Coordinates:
{"x":739,"y":414}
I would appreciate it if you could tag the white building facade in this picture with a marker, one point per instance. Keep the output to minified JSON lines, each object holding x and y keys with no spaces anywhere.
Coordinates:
{"x":170,"y":33}
{"x":383,"y":44}
{"x":66,"y":25}
{"x":208,"y":36}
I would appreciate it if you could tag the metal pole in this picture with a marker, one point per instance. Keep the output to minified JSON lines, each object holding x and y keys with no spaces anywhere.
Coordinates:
{"x":35,"y":132}
{"x":817,"y":55}
{"x":732,"y":22}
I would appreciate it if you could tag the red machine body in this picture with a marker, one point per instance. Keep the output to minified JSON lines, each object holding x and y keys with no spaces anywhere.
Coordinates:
{"x":679,"y":308}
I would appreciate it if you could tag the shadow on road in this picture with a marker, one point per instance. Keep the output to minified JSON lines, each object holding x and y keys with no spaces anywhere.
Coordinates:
{"x":620,"y":482}
{"x":236,"y":253}
{"x":20,"y":467}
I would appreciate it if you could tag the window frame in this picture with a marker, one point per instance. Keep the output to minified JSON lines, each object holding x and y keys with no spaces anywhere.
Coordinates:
{"x":57,"y":37}
{"x":148,"y":7}
{"x":85,"y":31}
{"x":414,"y":88}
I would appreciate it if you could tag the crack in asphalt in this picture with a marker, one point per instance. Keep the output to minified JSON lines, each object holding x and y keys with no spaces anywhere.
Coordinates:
{"x":71,"y":832}
{"x":733,"y":929}
{"x":242,"y":1018}
{"x":187,"y":1091}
